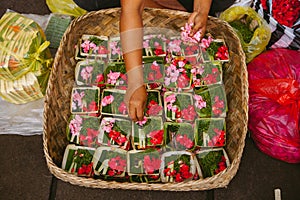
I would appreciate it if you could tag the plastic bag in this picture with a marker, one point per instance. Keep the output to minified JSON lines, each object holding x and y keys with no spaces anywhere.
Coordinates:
{"x":65,"y":7}
{"x":274,"y":103}
{"x":253,"y":31}
{"x":25,"y":59}
{"x":283,"y":17}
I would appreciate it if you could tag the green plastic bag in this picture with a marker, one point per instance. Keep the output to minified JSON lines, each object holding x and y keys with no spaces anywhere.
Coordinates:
{"x":65,"y":7}
{"x":253,"y":31}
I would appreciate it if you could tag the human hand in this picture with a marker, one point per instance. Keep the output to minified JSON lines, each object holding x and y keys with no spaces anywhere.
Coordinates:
{"x":199,"y":20}
{"x":137,"y":103}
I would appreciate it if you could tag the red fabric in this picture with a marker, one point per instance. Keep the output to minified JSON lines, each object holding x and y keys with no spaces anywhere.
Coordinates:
{"x":274,"y":103}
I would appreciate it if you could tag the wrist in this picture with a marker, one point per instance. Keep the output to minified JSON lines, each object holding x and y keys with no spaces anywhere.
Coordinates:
{"x":135,"y":77}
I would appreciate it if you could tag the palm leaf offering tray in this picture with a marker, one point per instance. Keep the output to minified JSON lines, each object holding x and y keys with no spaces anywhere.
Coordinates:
{"x":25,"y":59}
{"x":201,"y":109}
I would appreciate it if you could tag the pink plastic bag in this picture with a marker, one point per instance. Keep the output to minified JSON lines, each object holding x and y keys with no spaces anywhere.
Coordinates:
{"x":274,"y":103}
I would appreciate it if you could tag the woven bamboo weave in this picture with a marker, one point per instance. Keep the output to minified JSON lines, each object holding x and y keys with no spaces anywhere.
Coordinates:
{"x":61,"y":82}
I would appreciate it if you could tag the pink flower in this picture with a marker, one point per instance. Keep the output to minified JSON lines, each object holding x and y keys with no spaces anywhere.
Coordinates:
{"x":114,"y":48}
{"x":107,"y":125}
{"x":174,"y":46}
{"x":205,"y":43}
{"x":197,"y":70}
{"x":196,"y":75}
{"x":142,"y":122}
{"x":199,"y":101}
{"x":113,"y":77}
{"x":146,"y":44}
{"x":186,"y":34}
{"x":172,"y":73}
{"x":78,"y":98}
{"x":86,"y":72}
{"x":85,"y":46}
{"x":170,"y":99}
{"x":107,"y":100}
{"x":75,"y":125}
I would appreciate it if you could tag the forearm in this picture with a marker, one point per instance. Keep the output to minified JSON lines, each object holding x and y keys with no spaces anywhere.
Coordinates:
{"x":202,"y":6}
{"x":131,"y":33}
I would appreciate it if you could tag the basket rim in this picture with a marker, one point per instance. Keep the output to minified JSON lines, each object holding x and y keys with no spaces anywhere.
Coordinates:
{"x":198,"y":185}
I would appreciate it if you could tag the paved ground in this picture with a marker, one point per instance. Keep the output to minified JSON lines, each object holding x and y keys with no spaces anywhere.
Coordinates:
{"x":24,"y":174}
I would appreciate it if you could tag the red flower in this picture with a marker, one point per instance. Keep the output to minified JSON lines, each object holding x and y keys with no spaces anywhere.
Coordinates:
{"x":151,"y":76}
{"x":155,"y":66}
{"x":122,"y":108}
{"x":116,"y":136}
{"x":286,"y":12}
{"x":217,"y":106}
{"x":100,"y":80}
{"x":218,"y":139}
{"x":123,"y":76}
{"x":178,"y":178}
{"x":158,"y":50}
{"x":184,"y":141}
{"x":153,"y":108}
{"x":156,"y":137}
{"x":183,"y":80}
{"x":191,"y":50}
{"x":111,"y":172}
{"x":153,"y":85}
{"x":90,"y":139}
{"x":151,"y":165}
{"x":185,"y":171}
{"x":117,"y":164}
{"x":189,"y":113}
{"x":264,"y":4}
{"x":176,"y":60}
{"x":221,"y":165}
{"x":93,"y":106}
{"x":192,"y":59}
{"x":210,"y":79}
{"x":222,"y":53}
{"x":86,"y":170}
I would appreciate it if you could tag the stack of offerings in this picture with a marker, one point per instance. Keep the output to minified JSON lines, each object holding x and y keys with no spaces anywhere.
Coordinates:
{"x":25,"y":59}
{"x":183,"y":132}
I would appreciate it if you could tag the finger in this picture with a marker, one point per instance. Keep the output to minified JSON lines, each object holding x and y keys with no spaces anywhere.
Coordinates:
{"x":132,"y":113}
{"x":140,"y":113}
{"x":191,"y":19}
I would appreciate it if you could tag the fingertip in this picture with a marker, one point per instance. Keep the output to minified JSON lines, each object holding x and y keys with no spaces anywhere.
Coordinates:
{"x":134,"y":119}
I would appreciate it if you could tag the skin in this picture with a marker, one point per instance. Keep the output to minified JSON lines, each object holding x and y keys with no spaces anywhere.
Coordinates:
{"x":131,"y":25}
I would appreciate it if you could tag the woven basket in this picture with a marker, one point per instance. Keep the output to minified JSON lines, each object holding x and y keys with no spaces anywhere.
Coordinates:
{"x":106,"y":22}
